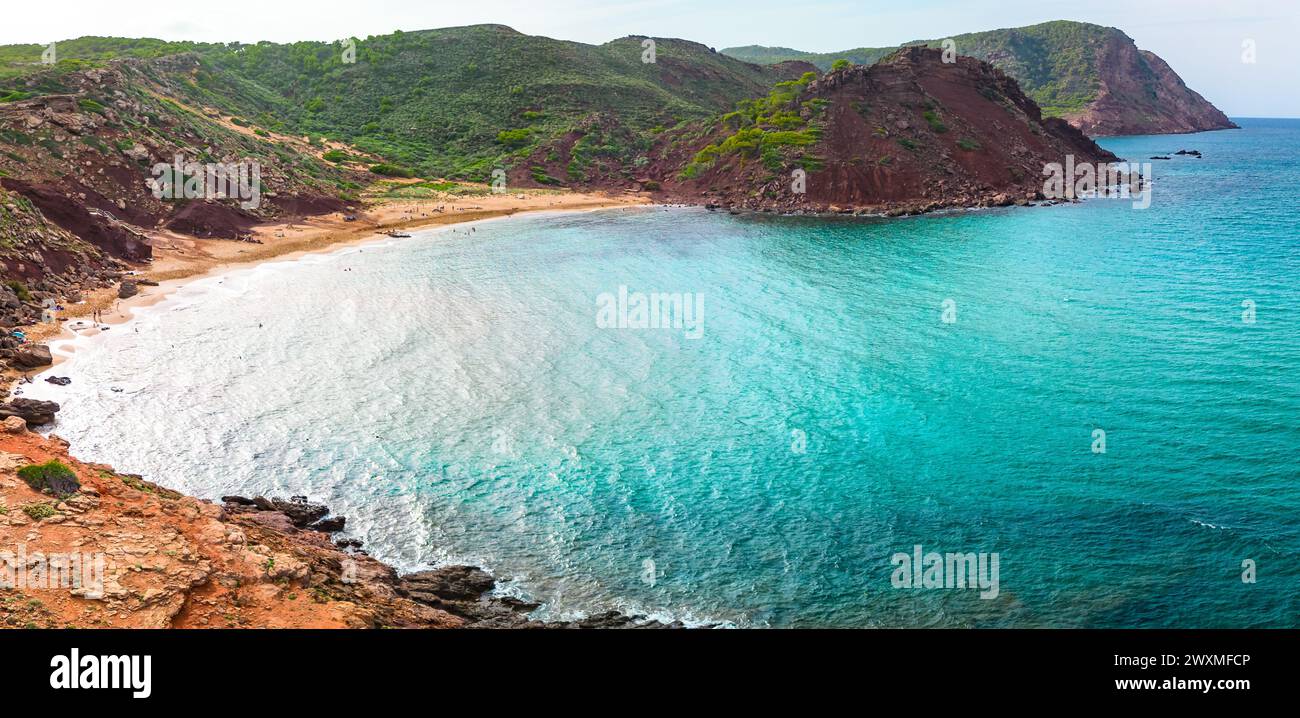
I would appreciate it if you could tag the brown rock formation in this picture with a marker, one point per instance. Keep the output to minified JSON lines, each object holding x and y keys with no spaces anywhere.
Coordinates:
{"x":908,"y":134}
{"x":1141,"y":94}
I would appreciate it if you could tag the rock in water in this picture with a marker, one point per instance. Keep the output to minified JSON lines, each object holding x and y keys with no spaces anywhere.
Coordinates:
{"x":301,"y":513}
{"x":32,"y":410}
{"x":463,"y":583}
{"x":331,"y":525}
{"x":58,"y":380}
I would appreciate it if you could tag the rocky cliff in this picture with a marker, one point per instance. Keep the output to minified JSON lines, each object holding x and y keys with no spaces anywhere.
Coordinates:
{"x":173,"y":561}
{"x":908,"y":134}
{"x":1140,"y":94}
{"x":1093,"y":76}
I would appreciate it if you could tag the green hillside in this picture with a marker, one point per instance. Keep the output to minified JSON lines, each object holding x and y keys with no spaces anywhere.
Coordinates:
{"x":450,"y":102}
{"x":1055,"y":62}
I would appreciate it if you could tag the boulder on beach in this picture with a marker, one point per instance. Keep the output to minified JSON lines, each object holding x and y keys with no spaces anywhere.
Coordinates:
{"x":31,"y":356}
{"x":127,"y":289}
{"x":14,"y":425}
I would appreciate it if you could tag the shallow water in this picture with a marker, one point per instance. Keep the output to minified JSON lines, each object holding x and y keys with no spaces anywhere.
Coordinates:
{"x":454,"y":396}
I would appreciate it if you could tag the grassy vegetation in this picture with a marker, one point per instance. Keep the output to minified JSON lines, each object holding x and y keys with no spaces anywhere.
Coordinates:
{"x":454,"y":102}
{"x":936,"y":124}
{"x":85,"y":52}
{"x":417,"y":190}
{"x":20,"y":290}
{"x":387,"y":170}
{"x":39,"y":512}
{"x":771,"y":129}
{"x":53,"y":476}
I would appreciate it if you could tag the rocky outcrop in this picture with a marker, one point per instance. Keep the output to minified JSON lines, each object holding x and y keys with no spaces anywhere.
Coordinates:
{"x":31,"y":356}
{"x":1095,"y":77}
{"x":465,"y":592}
{"x":909,"y":134}
{"x":41,"y":260}
{"x":33,"y":411}
{"x":298,"y":512}
{"x":75,"y":169}
{"x":1140,"y":94}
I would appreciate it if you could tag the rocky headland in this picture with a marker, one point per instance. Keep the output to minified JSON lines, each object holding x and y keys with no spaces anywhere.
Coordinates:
{"x":174,"y":561}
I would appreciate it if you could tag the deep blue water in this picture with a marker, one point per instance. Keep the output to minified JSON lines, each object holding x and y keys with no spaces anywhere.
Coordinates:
{"x":454,"y":396}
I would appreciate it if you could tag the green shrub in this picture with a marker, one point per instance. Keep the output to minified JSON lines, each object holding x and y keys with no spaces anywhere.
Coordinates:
{"x":514,"y":139}
{"x":968,"y":144}
{"x":388,"y":170}
{"x":812,"y":163}
{"x":840,"y":65}
{"x":540,"y":176}
{"x":336,"y":156}
{"x":53,"y":476}
{"x":39,"y":512}
{"x":935,"y":123}
{"x":20,"y":290}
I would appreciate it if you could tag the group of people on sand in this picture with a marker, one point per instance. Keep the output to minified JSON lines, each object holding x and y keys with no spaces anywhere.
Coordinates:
{"x":97,"y":316}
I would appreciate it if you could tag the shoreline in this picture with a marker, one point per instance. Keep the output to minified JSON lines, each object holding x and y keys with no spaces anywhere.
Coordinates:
{"x":326,"y":239}
{"x":432,"y":597}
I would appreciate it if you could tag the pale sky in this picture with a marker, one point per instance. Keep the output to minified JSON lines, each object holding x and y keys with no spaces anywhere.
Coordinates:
{"x":1201,"y":39}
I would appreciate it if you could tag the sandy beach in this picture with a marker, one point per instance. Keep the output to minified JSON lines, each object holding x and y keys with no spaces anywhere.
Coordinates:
{"x":180,"y":259}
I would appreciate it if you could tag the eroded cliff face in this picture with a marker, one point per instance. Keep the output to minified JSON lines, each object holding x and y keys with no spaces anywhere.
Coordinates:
{"x":908,"y":134}
{"x":174,"y":561}
{"x":1140,"y":94}
{"x":82,"y":159}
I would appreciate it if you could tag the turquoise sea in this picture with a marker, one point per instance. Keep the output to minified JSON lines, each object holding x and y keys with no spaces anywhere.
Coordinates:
{"x":454,"y":396}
